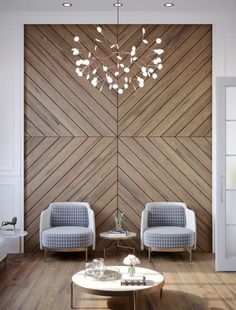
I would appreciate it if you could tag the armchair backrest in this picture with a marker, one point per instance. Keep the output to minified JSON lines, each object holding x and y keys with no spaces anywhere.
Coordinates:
{"x":166,"y":214}
{"x":68,"y":214}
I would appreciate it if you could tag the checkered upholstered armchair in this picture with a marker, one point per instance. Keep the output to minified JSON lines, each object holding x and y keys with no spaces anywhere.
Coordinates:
{"x":68,"y":227}
{"x":168,"y":227}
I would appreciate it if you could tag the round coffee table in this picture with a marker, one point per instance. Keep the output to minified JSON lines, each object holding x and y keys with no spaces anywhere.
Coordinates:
{"x":117,"y":237}
{"x":155,"y":282}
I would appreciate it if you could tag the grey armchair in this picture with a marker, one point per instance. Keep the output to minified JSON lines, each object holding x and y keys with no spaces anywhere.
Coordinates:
{"x":68,"y":227}
{"x":168,"y":227}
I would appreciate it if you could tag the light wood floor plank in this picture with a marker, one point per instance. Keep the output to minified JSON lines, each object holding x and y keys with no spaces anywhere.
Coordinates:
{"x":28,"y":283}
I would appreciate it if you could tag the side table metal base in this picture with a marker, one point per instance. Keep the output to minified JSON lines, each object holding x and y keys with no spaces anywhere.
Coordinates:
{"x":116,"y":246}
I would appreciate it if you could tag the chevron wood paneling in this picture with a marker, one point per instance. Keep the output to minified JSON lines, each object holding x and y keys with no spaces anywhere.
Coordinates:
{"x":69,"y":169}
{"x":153,"y":144}
{"x":164,"y":169}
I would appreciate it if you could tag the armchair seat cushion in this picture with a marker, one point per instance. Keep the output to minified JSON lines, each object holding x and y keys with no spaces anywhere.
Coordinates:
{"x":168,"y":237}
{"x":67,"y":237}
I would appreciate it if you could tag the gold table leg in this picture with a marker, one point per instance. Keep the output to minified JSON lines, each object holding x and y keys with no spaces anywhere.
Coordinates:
{"x":133,"y":307}
{"x":71,"y":296}
{"x":116,"y":246}
{"x":109,"y":248}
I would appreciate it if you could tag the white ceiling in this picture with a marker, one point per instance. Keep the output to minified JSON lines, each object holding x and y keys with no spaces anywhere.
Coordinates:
{"x":129,"y":5}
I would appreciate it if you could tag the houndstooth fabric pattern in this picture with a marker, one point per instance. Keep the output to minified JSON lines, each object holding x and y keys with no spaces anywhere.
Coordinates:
{"x":166,"y":216}
{"x":67,"y":237}
{"x":168,"y":237}
{"x":69,"y":215}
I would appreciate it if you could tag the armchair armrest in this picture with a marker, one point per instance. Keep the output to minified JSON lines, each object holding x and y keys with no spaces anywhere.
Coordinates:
{"x":44,"y":224}
{"x":191,"y":224}
{"x":144,"y":221}
{"x":92,"y":226}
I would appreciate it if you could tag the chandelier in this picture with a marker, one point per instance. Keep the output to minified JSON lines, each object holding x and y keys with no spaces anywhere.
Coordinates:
{"x":120,"y":69}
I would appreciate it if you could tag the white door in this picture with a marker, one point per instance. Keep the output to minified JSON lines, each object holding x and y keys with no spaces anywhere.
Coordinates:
{"x":226,"y":174}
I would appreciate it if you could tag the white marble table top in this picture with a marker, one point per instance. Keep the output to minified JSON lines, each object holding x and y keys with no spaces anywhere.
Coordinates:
{"x":154,"y":279}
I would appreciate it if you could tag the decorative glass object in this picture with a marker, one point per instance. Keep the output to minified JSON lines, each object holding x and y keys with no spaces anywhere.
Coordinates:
{"x":89,"y":268}
{"x":131,"y":270}
{"x":131,"y":261}
{"x":119,"y":221}
{"x":98,"y":266}
{"x":108,"y":274}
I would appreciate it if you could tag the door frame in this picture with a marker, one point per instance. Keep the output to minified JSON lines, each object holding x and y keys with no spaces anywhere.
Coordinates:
{"x":222,"y":262}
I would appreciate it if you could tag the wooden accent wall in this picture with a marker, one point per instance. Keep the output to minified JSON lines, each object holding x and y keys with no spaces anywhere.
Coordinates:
{"x":150,"y":145}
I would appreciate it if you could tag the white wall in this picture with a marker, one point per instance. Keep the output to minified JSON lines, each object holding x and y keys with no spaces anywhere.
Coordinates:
{"x":12,"y":77}
{"x":11,"y":125}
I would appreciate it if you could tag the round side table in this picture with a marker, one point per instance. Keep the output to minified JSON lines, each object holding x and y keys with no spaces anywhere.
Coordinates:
{"x":117,"y":238}
{"x":18,"y":234}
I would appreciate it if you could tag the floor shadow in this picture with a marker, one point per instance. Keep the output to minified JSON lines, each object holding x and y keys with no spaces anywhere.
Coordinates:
{"x":65,"y":256}
{"x":171,"y":300}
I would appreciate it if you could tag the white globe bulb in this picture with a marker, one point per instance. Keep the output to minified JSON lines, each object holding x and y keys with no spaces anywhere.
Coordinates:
{"x":141,"y":84}
{"x":109,"y":79}
{"x":78,"y":62}
{"x":80,"y":73}
{"x":75,"y":51}
{"x":86,"y":62}
{"x":94,"y":82}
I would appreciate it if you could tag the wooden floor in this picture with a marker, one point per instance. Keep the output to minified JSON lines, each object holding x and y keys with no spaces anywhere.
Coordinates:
{"x":28,"y":283}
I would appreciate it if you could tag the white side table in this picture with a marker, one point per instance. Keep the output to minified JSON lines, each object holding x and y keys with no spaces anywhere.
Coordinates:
{"x":17,"y":235}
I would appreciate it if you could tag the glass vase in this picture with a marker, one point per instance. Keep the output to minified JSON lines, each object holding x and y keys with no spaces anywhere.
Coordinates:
{"x":131,"y":270}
